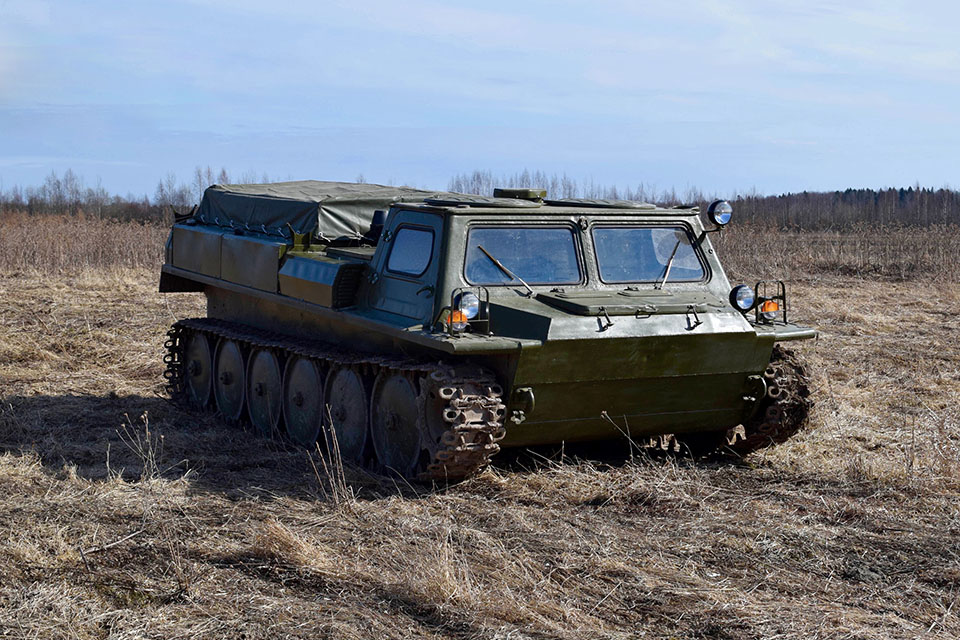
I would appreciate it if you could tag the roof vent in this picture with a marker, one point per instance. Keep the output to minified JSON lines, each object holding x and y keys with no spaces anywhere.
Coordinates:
{"x":455,"y":200}
{"x":600,"y":204}
{"x":535,"y":195}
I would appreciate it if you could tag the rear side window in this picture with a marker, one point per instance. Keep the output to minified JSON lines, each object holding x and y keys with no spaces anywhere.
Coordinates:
{"x":411,"y":251}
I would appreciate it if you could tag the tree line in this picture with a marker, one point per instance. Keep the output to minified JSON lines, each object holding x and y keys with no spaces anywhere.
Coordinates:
{"x":803,"y":211}
{"x":68,"y":194}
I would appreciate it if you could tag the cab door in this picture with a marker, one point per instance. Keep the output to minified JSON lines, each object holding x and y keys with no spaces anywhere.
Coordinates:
{"x":406,"y":272}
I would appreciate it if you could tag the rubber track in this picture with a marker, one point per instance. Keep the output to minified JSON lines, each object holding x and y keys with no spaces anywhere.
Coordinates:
{"x":783,"y":411}
{"x":473,"y":412}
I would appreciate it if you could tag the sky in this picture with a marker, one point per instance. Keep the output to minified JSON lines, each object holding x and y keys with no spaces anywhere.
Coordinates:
{"x":728,"y":97}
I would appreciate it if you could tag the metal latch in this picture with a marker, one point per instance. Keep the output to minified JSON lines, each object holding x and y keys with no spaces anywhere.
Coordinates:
{"x":606,"y":322}
{"x":645,"y":311}
{"x":696,"y":319}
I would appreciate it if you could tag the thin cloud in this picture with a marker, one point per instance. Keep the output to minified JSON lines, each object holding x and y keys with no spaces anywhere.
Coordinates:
{"x":606,"y":80}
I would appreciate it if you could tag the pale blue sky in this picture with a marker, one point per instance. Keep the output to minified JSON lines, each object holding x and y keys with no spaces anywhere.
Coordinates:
{"x":726,"y":96}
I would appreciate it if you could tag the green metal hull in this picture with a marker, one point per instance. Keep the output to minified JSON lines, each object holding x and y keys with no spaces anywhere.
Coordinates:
{"x":673,"y":381}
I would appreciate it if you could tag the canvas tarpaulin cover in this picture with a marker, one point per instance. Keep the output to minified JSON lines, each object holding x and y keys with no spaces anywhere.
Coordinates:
{"x":330,"y":210}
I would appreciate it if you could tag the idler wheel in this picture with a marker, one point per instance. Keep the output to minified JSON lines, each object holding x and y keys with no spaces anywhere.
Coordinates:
{"x":394,"y":424}
{"x":228,"y":380}
{"x":264,"y":392}
{"x":346,"y":395}
{"x":196,"y":370}
{"x":303,"y":403}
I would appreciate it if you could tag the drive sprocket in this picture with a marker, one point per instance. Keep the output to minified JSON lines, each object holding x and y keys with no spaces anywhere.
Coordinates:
{"x":784,"y":409}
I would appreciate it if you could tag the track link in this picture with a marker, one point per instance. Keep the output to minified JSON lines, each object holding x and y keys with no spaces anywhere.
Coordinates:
{"x":784,"y":409}
{"x":461,"y":409}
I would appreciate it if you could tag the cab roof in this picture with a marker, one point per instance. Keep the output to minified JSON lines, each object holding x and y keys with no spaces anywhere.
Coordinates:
{"x":482,"y":205}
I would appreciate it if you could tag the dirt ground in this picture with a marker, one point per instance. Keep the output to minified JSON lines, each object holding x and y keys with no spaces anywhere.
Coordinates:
{"x":124,"y":517}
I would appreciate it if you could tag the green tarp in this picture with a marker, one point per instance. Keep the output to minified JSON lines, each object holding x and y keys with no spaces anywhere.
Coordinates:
{"x":330,"y":210}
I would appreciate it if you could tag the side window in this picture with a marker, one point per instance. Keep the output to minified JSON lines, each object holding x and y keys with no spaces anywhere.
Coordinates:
{"x":411,"y":251}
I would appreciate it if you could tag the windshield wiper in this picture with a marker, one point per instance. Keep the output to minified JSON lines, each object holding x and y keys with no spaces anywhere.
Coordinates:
{"x":666,"y":272}
{"x":509,"y":274}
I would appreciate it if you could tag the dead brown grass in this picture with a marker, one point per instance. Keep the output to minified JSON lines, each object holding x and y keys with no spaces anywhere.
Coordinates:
{"x":755,"y":250}
{"x":64,"y":244}
{"x":847,"y":531}
{"x":69,"y":244}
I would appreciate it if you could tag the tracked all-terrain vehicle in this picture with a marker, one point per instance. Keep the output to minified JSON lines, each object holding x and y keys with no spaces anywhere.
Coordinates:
{"x":425,"y":330}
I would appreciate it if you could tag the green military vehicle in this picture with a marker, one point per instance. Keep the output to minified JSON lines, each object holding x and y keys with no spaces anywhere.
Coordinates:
{"x":421,"y":331}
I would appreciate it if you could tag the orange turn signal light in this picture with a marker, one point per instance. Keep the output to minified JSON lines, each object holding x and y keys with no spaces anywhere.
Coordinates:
{"x":769,"y":306}
{"x":458,"y":320}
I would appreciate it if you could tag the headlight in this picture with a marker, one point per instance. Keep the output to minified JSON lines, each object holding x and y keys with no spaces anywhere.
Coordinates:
{"x":720,"y":212}
{"x":743,"y":298}
{"x":466,"y":307}
{"x":468,"y":303}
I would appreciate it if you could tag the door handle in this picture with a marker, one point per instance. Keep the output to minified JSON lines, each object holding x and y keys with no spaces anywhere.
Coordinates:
{"x":428,"y":288}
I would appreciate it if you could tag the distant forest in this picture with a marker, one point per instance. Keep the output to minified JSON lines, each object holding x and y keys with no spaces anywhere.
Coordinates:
{"x":914,"y":206}
{"x":807,"y":210}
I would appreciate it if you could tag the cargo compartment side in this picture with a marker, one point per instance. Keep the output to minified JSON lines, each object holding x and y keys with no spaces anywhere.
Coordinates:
{"x":197,"y":249}
{"x":251,"y":261}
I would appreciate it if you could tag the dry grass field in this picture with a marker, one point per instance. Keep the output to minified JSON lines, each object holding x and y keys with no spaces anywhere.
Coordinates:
{"x":121,"y":516}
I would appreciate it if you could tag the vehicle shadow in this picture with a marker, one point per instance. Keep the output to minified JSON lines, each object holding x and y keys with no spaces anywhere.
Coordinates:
{"x":609,"y":454}
{"x":137,"y":436}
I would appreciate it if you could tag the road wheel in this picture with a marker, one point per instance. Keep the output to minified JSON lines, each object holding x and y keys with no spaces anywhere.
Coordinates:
{"x":197,"y":367}
{"x":394,"y":423}
{"x":264,"y":392}
{"x":228,"y":382}
{"x":303,"y":401}
{"x":349,"y":405}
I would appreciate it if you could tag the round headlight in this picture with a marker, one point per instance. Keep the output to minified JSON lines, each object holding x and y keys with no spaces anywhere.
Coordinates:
{"x":469,"y":304}
{"x":742,"y":297}
{"x":720,"y":212}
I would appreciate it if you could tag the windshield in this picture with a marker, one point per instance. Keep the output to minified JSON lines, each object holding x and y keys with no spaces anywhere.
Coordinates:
{"x":538,"y":255}
{"x":640,"y":254}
